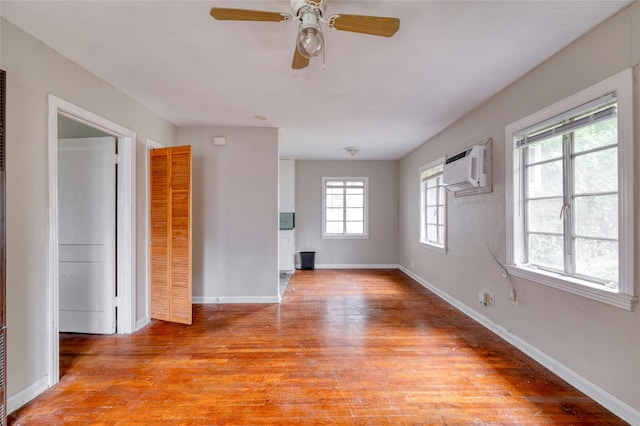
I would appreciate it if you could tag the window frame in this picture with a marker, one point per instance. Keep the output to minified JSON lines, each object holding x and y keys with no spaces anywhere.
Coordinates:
{"x":365,"y":234}
{"x":623,"y":297}
{"x":422,"y":230}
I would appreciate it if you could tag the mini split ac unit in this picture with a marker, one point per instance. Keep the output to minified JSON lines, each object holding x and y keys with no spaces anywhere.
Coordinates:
{"x":466,"y":170}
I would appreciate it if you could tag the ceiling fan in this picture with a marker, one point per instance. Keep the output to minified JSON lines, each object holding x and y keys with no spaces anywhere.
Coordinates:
{"x":310,"y":13}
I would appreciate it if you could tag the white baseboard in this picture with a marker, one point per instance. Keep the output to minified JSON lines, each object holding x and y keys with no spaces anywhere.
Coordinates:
{"x":611,"y":403}
{"x":354,"y":266}
{"x":142,"y":322}
{"x":203,"y":300}
{"x":27,"y":394}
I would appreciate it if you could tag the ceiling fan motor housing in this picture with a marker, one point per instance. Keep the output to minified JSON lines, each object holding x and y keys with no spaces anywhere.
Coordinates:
{"x":299,"y":7}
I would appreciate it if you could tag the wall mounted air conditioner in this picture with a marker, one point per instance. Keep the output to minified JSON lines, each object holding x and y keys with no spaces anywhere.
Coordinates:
{"x":466,"y":170}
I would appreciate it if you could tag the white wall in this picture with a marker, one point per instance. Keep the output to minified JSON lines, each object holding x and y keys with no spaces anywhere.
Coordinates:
{"x":34,"y":71}
{"x":381,"y":246}
{"x":599,"y":342}
{"x":235,"y":214}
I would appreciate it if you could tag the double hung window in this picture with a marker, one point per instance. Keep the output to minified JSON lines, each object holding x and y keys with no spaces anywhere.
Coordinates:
{"x":345,"y":209}
{"x":571,"y":195}
{"x":433,"y":202}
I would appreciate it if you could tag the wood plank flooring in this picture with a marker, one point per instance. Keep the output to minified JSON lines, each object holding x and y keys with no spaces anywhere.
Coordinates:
{"x":344,"y":347}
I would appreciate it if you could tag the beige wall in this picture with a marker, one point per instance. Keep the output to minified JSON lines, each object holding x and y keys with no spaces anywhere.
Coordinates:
{"x":235,"y":214}
{"x":599,"y":342}
{"x":33,"y":72}
{"x":381,"y":246}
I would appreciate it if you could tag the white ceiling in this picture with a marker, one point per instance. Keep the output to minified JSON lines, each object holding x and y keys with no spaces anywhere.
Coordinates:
{"x":386,"y":95}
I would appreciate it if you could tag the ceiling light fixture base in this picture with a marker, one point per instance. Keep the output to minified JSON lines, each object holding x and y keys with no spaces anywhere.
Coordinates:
{"x":352,"y":150}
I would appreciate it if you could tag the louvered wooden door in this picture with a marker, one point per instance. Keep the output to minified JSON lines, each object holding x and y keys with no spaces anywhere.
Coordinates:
{"x":171,"y":234}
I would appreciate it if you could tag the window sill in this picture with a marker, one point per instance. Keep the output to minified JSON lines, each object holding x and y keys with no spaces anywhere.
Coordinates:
{"x":574,"y":286}
{"x":437,"y":249}
{"x":345,"y":237}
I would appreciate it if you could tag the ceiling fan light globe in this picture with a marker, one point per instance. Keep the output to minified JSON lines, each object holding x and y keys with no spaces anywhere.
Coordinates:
{"x":310,"y":42}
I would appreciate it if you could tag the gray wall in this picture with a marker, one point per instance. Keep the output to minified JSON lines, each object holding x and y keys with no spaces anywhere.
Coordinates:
{"x":235,"y":214}
{"x":34,"y":71}
{"x":381,"y":247}
{"x":599,"y":342}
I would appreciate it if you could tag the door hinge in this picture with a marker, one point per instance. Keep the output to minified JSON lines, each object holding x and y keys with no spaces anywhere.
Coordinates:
{"x":115,"y":158}
{"x":116,"y":302}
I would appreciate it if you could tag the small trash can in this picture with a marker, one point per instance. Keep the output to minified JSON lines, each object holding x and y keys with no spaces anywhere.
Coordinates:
{"x":307,"y":260}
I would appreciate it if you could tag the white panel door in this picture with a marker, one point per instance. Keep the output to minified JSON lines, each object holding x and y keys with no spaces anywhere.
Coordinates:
{"x":87,"y":230}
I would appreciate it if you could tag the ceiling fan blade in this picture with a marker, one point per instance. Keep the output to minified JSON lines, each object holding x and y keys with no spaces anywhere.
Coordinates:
{"x":374,"y":25}
{"x":299,"y":61}
{"x":248,"y":15}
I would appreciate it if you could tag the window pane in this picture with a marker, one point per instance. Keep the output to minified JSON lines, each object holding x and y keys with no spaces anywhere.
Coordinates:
{"x":355,"y":228}
{"x":335,"y":201}
{"x":355,"y":191}
{"x":355,"y":183}
{"x":597,"y":172}
{"x":335,"y":228}
{"x":602,"y":133}
{"x":355,"y":200}
{"x":544,"y":215}
{"x":335,"y":183}
{"x":431,"y":215}
{"x":335,"y":191}
{"x":335,"y":214}
{"x":597,"y":216}
{"x":598,"y":259}
{"x":546,"y":250}
{"x":432,"y":196}
{"x":544,"y":180}
{"x":441,"y":215}
{"x":432,"y":233}
{"x":545,"y":150}
{"x":355,"y":214}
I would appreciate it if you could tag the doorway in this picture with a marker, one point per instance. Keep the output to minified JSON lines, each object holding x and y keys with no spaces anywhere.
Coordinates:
{"x":124,"y":207}
{"x":86,"y":229}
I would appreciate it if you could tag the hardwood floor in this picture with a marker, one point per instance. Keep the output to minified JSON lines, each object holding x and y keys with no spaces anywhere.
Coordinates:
{"x":344,"y":347}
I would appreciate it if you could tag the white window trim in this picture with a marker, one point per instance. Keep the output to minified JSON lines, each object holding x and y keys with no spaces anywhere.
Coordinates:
{"x":364,"y":236}
{"x":622,"y":84}
{"x":439,"y":249}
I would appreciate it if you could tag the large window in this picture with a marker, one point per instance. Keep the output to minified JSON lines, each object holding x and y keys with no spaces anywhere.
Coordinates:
{"x":433,"y":204}
{"x":571,"y":197}
{"x":345,"y":207}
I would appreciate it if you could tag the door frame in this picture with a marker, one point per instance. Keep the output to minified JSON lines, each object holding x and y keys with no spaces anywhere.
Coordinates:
{"x":150,"y":144}
{"x":125,"y":229}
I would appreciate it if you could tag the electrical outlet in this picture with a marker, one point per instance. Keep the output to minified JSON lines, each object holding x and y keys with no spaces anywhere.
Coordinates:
{"x":482,"y":297}
{"x":486,"y":298}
